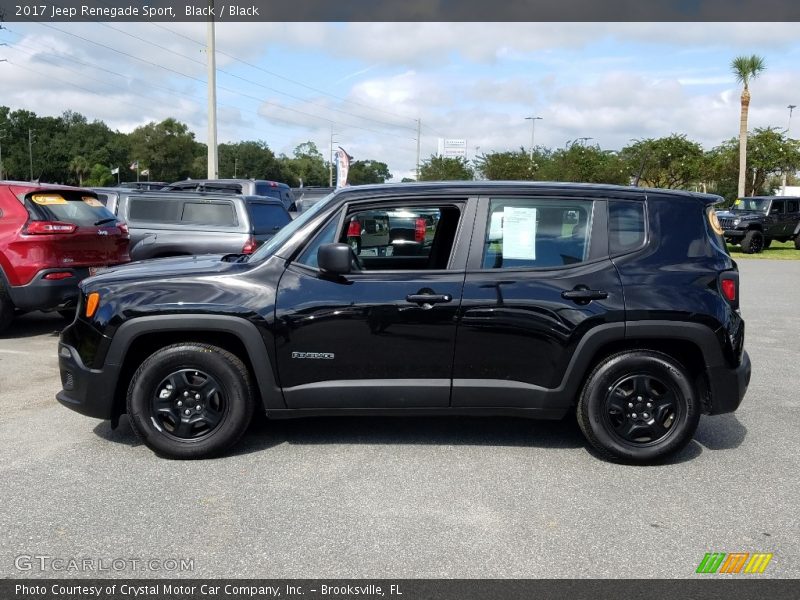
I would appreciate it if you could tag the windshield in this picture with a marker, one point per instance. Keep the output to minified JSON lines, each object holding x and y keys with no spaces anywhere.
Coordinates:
{"x":758,"y":204}
{"x":288,"y":231}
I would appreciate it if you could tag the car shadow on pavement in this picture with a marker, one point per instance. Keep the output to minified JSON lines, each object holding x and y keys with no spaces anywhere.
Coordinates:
{"x":720,"y":432}
{"x":35,"y":324}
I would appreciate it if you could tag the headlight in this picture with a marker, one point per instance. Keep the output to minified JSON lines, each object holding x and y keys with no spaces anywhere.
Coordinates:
{"x":736,"y":222}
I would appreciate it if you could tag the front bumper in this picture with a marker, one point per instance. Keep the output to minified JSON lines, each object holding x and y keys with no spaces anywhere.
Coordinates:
{"x":734,"y":234}
{"x":728,"y":386}
{"x":88,"y":391}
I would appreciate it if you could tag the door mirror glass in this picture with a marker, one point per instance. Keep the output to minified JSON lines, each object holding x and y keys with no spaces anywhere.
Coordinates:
{"x":335,"y":259}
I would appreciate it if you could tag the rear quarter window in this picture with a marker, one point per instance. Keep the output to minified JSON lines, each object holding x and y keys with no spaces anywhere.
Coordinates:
{"x":267,"y":218}
{"x":626,"y":229}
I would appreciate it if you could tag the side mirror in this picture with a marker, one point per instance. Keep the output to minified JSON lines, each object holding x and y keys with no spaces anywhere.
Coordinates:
{"x":335,"y":259}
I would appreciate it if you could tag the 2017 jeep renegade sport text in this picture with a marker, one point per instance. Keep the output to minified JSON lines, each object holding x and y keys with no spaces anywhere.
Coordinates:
{"x":477,"y":299}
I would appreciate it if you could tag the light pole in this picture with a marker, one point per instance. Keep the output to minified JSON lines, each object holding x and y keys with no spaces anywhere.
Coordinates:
{"x":533,"y":131}
{"x":30,"y":150}
{"x":2,"y":135}
{"x":791,"y":107}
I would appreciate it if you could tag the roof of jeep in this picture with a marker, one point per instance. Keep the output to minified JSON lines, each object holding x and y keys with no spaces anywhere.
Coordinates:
{"x":492,"y":187}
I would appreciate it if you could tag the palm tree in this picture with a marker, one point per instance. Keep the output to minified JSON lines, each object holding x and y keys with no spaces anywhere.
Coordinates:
{"x":745,"y":68}
{"x":80,"y":166}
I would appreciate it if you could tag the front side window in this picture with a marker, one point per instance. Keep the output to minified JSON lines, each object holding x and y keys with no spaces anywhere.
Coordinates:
{"x":777,"y":208}
{"x":402,"y":237}
{"x":537,"y":233}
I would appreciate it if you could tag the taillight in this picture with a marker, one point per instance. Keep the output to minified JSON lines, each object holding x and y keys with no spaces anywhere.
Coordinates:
{"x":49,"y":227}
{"x":729,"y":286}
{"x":354,"y":229}
{"x":419,"y":230}
{"x":729,"y":289}
{"x":123,"y":227}
{"x":250,"y":245}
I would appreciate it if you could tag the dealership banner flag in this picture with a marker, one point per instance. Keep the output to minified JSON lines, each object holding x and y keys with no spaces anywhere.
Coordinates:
{"x":135,"y":166}
{"x":342,"y":167}
{"x":115,"y":171}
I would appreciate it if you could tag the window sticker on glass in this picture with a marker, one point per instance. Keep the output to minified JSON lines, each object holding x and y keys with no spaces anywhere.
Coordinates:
{"x":519,"y":233}
{"x":92,"y":201}
{"x":46,"y":199}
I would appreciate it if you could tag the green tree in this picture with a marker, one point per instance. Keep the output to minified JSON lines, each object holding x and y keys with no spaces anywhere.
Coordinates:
{"x":672,"y":162}
{"x":251,"y":159}
{"x":512,"y":166}
{"x":100,"y":176}
{"x":306,"y":165}
{"x":587,"y":164}
{"x":745,"y":68}
{"x":167,"y":148}
{"x":368,"y":171}
{"x":439,"y":168}
{"x":770,"y":152}
{"x":80,"y":166}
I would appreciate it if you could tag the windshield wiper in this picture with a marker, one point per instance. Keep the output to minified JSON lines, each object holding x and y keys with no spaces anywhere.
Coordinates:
{"x":108,"y":220}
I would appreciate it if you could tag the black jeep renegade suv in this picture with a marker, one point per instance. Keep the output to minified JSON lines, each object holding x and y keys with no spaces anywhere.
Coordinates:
{"x":523,"y":299}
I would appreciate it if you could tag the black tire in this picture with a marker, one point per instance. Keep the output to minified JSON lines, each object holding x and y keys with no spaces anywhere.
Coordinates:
{"x":753,"y":242}
{"x":767,"y":243}
{"x":797,"y":243}
{"x":223,"y":411}
{"x":668,"y":407}
{"x":6,"y":308}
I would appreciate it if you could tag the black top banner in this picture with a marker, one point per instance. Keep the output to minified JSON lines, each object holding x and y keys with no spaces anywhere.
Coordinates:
{"x":401,"y":10}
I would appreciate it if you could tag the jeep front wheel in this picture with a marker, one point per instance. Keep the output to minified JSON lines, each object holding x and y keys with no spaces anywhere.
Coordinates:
{"x":638,"y":406}
{"x":190,"y":401}
{"x":6,"y":308}
{"x":753,"y":242}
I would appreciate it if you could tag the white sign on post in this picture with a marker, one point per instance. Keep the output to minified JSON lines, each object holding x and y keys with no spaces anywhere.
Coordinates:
{"x":519,"y":233}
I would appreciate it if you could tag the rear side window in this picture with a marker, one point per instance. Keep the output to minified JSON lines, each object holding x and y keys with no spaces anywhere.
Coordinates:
{"x":155,"y":210}
{"x":69,"y":207}
{"x":218,"y":214}
{"x":625,"y":226}
{"x":791,"y":206}
{"x":267,"y":218}
{"x":264,"y":189}
{"x":536,"y":233}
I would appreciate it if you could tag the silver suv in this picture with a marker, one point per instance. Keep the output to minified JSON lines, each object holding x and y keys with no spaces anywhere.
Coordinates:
{"x":182,"y":223}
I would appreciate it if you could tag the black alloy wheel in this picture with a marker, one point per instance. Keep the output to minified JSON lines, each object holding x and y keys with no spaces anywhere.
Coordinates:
{"x":189,"y":404}
{"x":641,"y":409}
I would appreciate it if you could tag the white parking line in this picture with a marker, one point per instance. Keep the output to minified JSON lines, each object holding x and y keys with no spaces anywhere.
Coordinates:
{"x":4,"y":351}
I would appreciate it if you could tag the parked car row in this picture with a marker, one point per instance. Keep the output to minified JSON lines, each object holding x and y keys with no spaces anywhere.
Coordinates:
{"x":52,"y":236}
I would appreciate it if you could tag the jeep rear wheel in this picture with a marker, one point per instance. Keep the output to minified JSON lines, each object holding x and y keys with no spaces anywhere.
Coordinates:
{"x":797,"y":243}
{"x":638,"y":406}
{"x":753,"y":242}
{"x":767,"y":243}
{"x":190,"y":401}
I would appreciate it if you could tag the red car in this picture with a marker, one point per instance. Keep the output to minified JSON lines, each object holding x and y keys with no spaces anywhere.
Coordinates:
{"x":51,"y":237}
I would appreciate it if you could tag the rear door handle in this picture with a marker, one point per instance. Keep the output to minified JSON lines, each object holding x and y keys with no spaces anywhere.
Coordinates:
{"x":584,"y":295}
{"x":428,"y":298}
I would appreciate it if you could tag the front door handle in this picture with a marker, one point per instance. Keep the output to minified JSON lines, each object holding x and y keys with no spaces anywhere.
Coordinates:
{"x":583,"y":295}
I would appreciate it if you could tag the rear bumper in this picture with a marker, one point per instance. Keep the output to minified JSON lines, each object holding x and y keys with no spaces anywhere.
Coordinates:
{"x":47,"y":294}
{"x":728,"y":386}
{"x":84,"y":390}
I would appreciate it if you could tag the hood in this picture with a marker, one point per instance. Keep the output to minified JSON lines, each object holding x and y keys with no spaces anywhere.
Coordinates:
{"x":160,"y":268}
{"x":740,"y":214}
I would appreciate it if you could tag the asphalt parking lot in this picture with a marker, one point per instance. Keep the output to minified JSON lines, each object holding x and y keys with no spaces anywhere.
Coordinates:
{"x":425,"y":497}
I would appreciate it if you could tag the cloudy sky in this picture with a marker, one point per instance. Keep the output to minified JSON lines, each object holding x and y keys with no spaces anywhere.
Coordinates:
{"x":287,"y":83}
